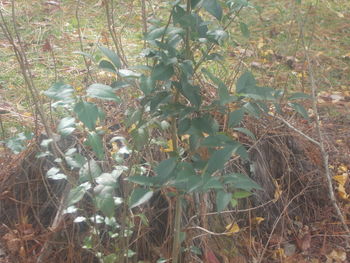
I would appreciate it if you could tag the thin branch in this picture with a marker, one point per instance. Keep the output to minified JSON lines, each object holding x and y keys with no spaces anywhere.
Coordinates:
{"x":321,"y":138}
{"x":295,"y":129}
{"x":81,"y":39}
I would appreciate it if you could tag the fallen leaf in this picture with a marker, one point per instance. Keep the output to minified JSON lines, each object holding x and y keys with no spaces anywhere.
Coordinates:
{"x":232,"y":229}
{"x":303,"y":239}
{"x":343,"y":168}
{"x":257,"y":220}
{"x":278,"y":191}
{"x":338,"y":255}
{"x":47,"y":45}
{"x":340,"y":179}
{"x":133,"y":127}
{"x":169,"y":148}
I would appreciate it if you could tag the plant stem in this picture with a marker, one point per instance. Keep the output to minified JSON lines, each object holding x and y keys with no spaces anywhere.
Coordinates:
{"x":81,"y":39}
{"x":178,"y":208}
{"x":321,"y":144}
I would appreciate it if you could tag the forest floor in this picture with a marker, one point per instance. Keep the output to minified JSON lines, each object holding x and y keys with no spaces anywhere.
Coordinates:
{"x":273,"y":52}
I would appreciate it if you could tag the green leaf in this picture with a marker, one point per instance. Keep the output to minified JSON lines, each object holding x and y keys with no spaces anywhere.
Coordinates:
{"x":213,"y":7}
{"x":246,"y":132}
{"x":222,"y":200}
{"x":224,"y":94}
{"x":211,"y":183}
{"x":75,"y":161}
{"x":111,"y":258}
{"x":76,"y":194}
{"x":155,"y":33}
{"x":147,"y":84}
{"x":234,"y":202}
{"x":89,"y":171}
{"x":194,"y":3}
{"x":241,"y":181}
{"x":83,"y":54}
{"x":162,"y":72}
{"x":111,"y":55}
{"x":95,"y":142}
{"x":187,"y":68}
{"x":87,"y":113}
{"x":244,"y":29}
{"x":16,"y":143}
{"x":217,"y":36}
{"x":116,"y":85}
{"x":54,"y":174}
{"x":235,"y":117}
{"x":165,"y":169}
{"x":186,"y":180}
{"x":105,"y":201}
{"x":241,"y":194}
{"x":140,"y":137}
{"x":101,"y":91}
{"x":61,"y":93}
{"x":192,"y":93}
{"x":184,"y":126}
{"x":107,"y":66}
{"x":66,"y":126}
{"x":108,"y":179}
{"x":141,"y":180}
{"x":242,"y":152}
{"x":300,"y":109}
{"x":252,"y":109}
{"x":216,"y":140}
{"x":205,"y":124}
{"x":219,"y":158}
{"x":127,"y":73}
{"x":139,"y":196}
{"x":245,"y":83}
{"x":298,"y":95}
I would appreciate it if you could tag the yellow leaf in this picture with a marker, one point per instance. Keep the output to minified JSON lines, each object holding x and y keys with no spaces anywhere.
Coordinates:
{"x":343,"y":168}
{"x":338,"y":255}
{"x":342,"y":193}
{"x":133,"y":127}
{"x":185,"y":137}
{"x":78,"y":89}
{"x":279,"y":253}
{"x":232,"y":229}
{"x":340,"y":179}
{"x":267,"y":52}
{"x":169,"y":148}
{"x":261,"y":43}
{"x":115,"y":148}
{"x":278,"y":191}
{"x":257,"y":220}
{"x":340,"y":15}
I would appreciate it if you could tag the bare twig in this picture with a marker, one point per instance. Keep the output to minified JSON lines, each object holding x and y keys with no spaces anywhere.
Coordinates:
{"x":276,"y":223}
{"x":112,"y":31}
{"x":322,"y":147}
{"x":295,"y":129}
{"x":86,"y":62}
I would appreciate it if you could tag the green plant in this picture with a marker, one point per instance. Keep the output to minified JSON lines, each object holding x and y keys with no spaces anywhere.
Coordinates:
{"x":173,"y":102}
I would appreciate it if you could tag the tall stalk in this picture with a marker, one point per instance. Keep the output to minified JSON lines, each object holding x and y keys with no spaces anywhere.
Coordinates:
{"x":178,"y":208}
